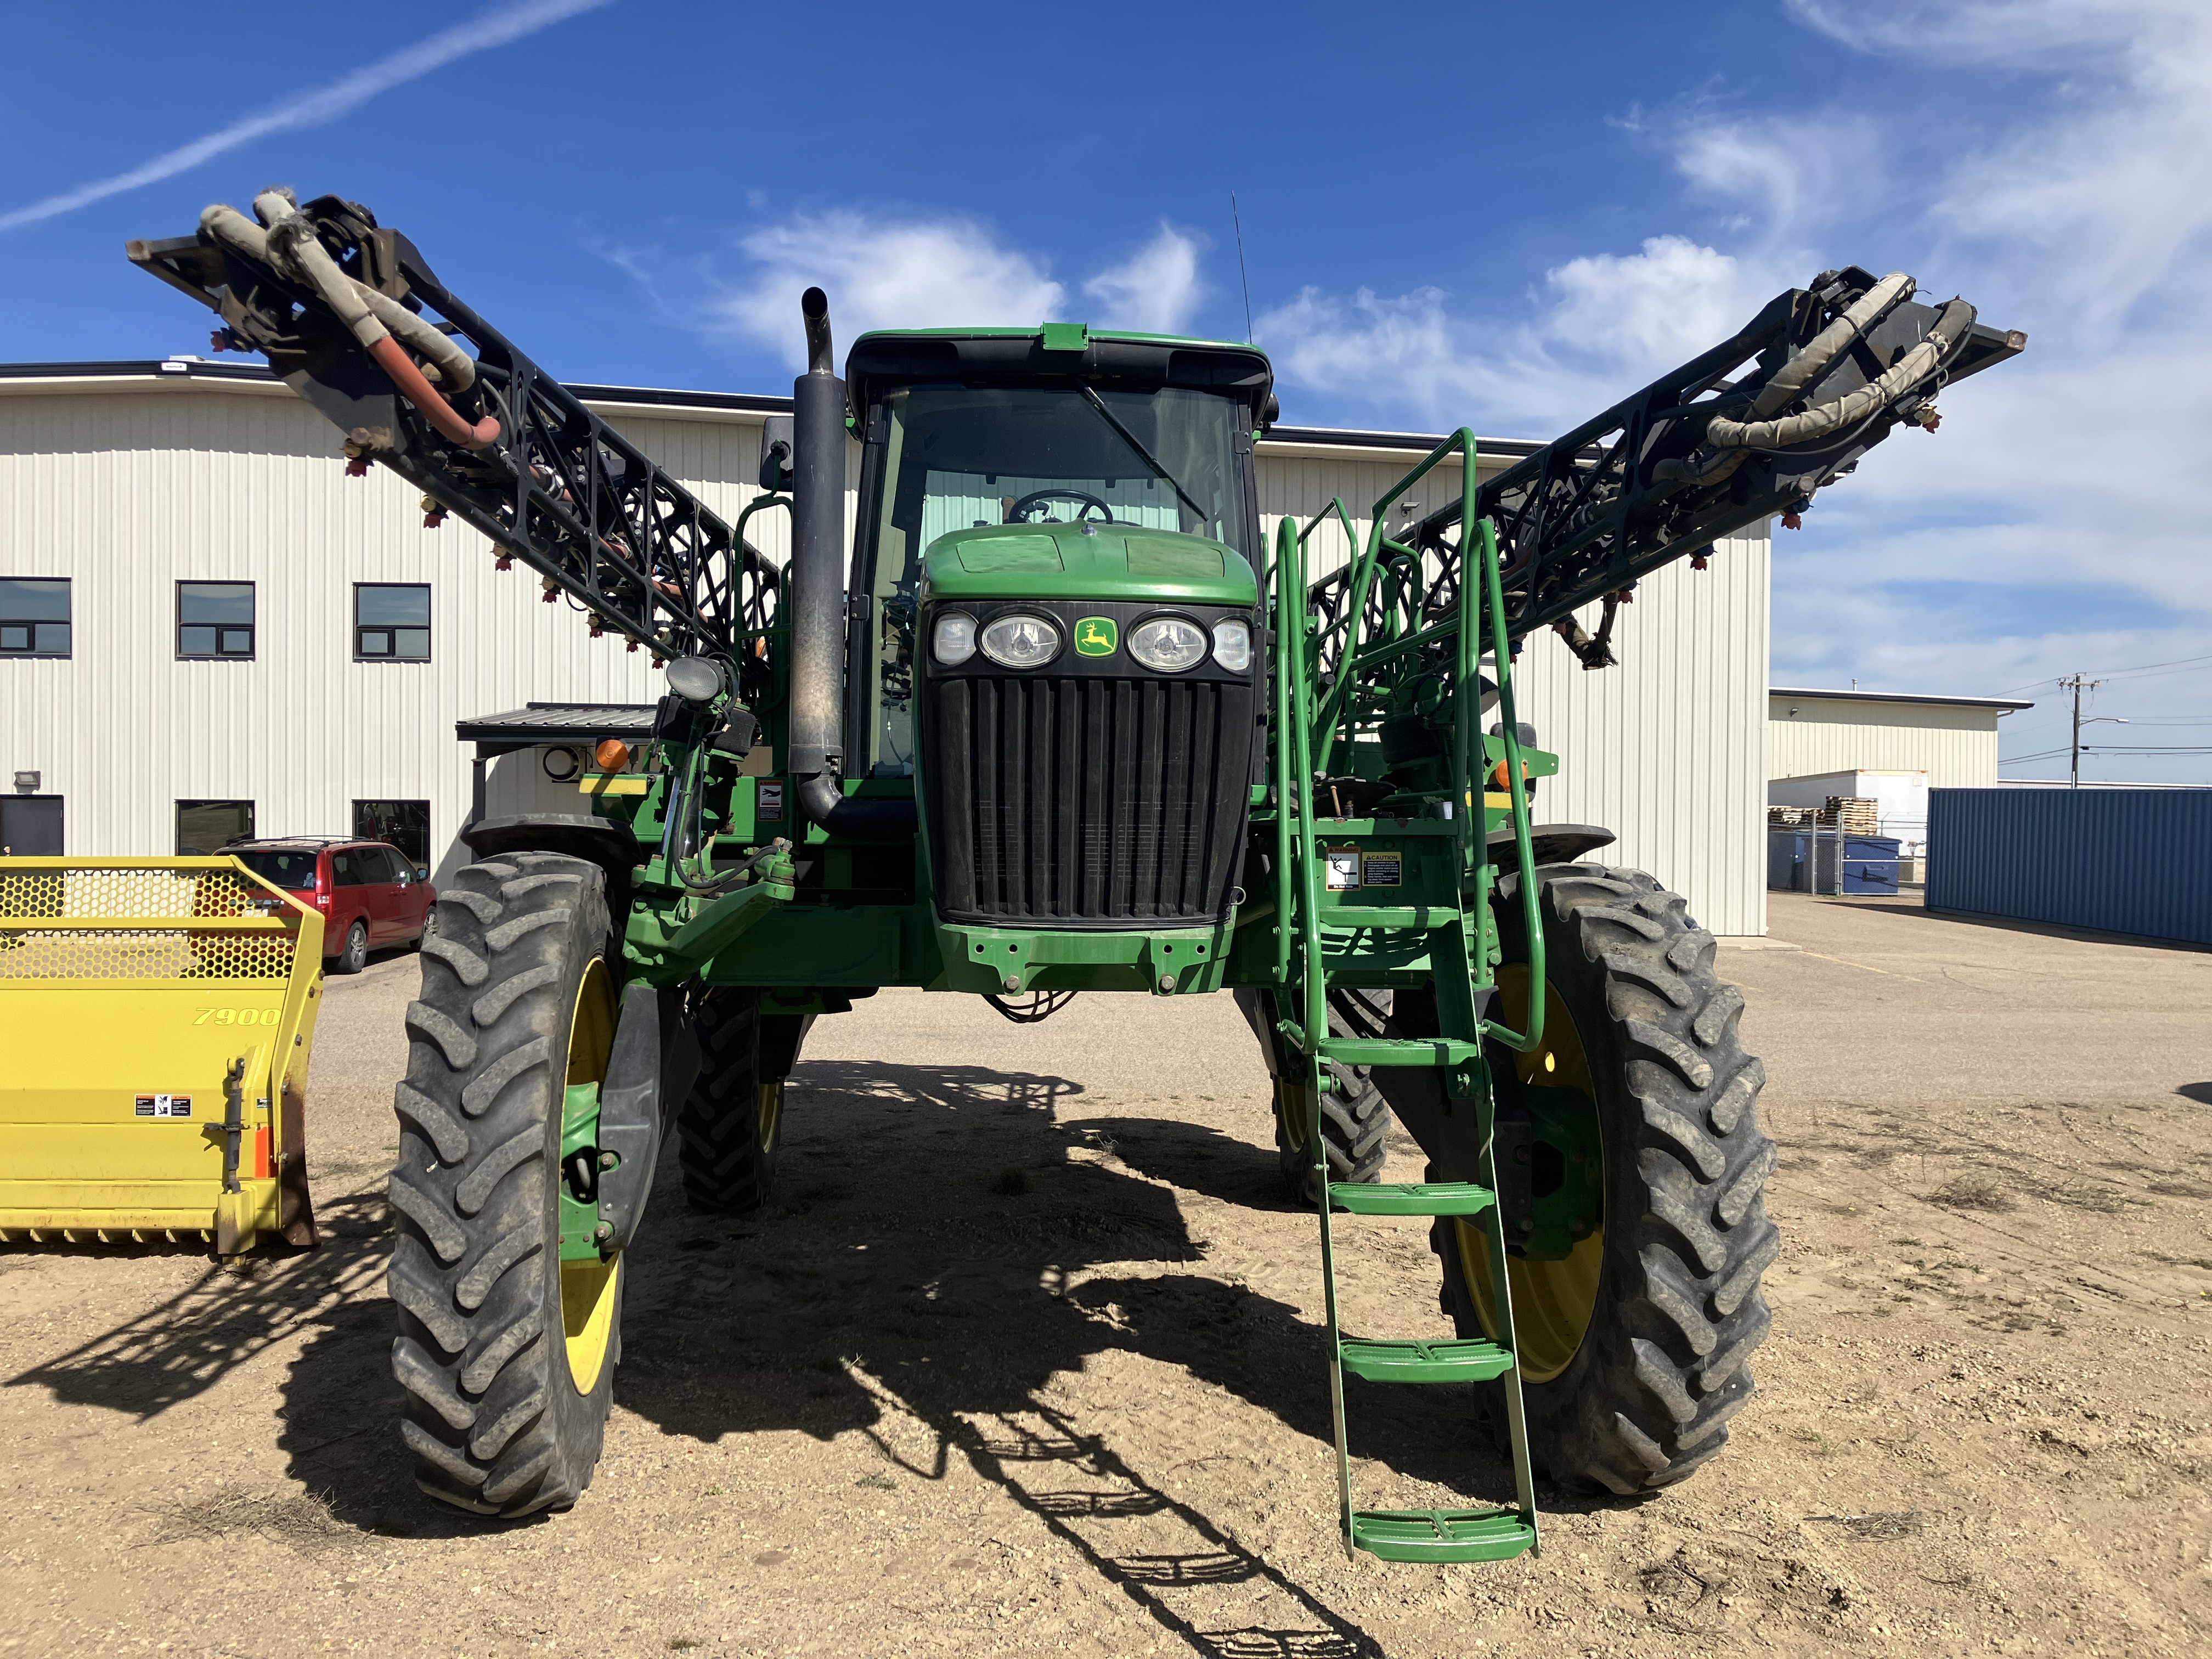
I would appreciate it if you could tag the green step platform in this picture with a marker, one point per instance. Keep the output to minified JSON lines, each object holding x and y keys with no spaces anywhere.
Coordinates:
{"x":1442,"y":1535}
{"x":1412,"y":1197}
{"x":1415,"y":1359}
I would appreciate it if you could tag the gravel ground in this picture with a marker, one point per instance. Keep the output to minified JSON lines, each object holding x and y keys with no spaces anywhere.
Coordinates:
{"x":903,"y":1412}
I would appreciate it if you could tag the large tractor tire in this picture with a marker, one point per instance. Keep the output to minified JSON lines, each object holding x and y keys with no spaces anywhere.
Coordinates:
{"x":731,"y":1125}
{"x":1635,"y":1346}
{"x":507,"y":1352}
{"x":1355,"y":1119}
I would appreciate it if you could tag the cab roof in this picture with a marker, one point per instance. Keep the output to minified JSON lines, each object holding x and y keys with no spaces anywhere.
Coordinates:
{"x":1067,"y":353}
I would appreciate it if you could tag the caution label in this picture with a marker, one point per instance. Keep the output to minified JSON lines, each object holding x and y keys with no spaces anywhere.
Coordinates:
{"x":1343,"y":869}
{"x":768,"y":801}
{"x":1382,"y":869}
{"x":164,"y":1106}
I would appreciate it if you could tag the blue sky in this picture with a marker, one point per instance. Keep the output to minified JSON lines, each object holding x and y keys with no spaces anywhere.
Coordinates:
{"x":1506,"y":216}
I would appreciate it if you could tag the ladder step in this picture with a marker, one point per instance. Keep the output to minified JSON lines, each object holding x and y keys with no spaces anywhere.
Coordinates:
{"x":1412,"y":1197}
{"x":1399,"y":1051}
{"x":1442,"y":1535}
{"x":1394,"y":1359}
{"x":1425,"y":918}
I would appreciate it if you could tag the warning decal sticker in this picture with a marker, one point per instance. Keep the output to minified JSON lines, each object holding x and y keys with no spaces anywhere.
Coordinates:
{"x":1382,"y":869}
{"x":164,"y":1106}
{"x":1343,"y":869}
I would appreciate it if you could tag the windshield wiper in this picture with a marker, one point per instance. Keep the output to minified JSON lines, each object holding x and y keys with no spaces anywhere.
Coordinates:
{"x":1143,"y":454}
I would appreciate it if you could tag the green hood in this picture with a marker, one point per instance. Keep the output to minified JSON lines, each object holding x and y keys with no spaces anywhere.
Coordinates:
{"x":1060,"y":560}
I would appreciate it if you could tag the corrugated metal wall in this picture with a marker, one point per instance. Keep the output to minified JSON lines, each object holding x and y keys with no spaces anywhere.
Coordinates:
{"x":1668,"y":750}
{"x":1956,"y":747}
{"x":2118,"y":860}
{"x":127,"y":492}
{"x":129,"y":486}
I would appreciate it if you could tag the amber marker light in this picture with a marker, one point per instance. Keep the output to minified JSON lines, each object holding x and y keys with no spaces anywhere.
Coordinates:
{"x":612,"y":755}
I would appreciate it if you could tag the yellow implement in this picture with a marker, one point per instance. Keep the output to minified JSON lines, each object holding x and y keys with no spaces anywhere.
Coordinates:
{"x":156,"y":1017}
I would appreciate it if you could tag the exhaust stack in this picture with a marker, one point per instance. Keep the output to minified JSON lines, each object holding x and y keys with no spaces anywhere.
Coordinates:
{"x":817,"y":596}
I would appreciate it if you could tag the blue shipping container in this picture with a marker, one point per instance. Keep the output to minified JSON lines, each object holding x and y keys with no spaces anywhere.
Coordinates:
{"x":2116,"y":861}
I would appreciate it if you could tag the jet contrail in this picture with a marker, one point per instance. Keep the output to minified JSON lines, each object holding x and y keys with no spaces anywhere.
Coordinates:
{"x":310,"y":109}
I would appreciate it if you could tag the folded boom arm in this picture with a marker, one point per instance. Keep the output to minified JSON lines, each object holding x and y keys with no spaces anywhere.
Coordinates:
{"x":488,"y":436}
{"x":1826,"y":373}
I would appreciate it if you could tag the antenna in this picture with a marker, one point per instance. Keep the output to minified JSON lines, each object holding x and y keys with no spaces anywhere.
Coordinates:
{"x":1241,"y":277}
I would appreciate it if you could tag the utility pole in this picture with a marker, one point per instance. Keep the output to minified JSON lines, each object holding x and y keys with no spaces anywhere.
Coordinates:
{"x":2078,"y":685}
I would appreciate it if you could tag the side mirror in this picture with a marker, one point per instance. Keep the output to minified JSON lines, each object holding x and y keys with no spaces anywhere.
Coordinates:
{"x":422,"y":872}
{"x":736,"y":735}
{"x":776,"y":452}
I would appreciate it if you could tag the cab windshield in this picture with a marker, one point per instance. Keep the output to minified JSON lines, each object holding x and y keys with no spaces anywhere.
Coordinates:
{"x":957,"y":457}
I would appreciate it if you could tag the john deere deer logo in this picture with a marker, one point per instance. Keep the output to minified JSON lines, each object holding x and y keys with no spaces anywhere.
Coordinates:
{"x":1095,"y":636}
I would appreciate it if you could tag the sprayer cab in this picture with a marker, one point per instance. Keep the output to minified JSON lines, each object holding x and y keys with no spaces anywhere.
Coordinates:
{"x":1053,"y":628}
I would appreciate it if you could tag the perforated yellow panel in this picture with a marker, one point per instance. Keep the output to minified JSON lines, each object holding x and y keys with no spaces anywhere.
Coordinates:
{"x":195,"y":900}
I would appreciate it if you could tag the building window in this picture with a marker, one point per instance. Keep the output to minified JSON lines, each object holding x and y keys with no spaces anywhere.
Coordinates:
{"x":208,"y":826}
{"x":34,"y":616}
{"x":404,"y":823}
{"x":392,"y":622}
{"x":216,"y":620}
{"x":31,"y":828}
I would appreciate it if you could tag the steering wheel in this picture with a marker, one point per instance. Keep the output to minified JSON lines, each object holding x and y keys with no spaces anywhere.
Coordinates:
{"x":1018,"y":514}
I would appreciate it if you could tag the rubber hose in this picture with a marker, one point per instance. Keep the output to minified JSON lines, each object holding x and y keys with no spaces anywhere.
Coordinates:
{"x":1794,"y":376}
{"x":1907,"y":372}
{"x":290,"y":247}
{"x":1713,"y":464}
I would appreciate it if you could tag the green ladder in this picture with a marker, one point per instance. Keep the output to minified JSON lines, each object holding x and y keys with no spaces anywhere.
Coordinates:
{"x":1454,"y":938}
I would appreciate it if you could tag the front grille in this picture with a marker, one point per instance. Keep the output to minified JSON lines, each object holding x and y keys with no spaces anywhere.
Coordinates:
{"x":1090,"y":801}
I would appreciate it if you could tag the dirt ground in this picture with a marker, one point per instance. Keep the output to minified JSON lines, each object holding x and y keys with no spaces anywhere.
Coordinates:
{"x":1026,"y":1357}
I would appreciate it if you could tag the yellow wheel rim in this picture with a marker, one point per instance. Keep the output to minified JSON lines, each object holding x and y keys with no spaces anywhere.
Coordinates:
{"x":1551,"y":1300}
{"x":769,"y":1113}
{"x":1293,"y":1112}
{"x":589,"y":1289}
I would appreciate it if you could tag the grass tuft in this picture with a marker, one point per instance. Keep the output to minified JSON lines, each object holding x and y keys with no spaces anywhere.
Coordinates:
{"x":1969,"y":1191}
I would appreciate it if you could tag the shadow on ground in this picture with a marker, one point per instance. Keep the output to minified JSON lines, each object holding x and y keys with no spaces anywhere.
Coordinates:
{"x":892,"y":1272}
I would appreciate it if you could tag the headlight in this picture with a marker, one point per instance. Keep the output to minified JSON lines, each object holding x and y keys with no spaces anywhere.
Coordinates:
{"x":1020,"y":641}
{"x":1168,"y":644}
{"x":953,"y":641}
{"x":1232,"y":645}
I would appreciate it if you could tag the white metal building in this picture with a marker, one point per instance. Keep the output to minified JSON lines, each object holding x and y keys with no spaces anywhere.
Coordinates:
{"x":1953,"y":739}
{"x":247,"y":636}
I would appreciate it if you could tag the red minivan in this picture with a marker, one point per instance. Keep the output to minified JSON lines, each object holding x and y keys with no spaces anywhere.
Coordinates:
{"x":370,"y":895}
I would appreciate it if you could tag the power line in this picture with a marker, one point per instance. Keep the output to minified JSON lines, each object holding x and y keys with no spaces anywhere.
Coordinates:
{"x":2110,"y":673}
{"x":2079,"y":686}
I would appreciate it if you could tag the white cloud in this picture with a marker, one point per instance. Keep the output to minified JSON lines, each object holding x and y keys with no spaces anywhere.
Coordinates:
{"x":880,"y":273}
{"x":1156,"y":291}
{"x":1610,"y":322}
{"x":909,"y":272}
{"x":322,"y":104}
{"x":2055,"y":523}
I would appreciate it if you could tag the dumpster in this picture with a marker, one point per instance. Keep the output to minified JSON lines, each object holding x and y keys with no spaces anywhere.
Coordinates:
{"x":1869,"y":864}
{"x":1790,"y":860}
{"x":158,"y":1016}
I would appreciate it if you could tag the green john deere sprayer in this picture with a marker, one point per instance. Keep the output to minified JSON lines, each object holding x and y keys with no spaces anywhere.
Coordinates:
{"x":1076,"y":723}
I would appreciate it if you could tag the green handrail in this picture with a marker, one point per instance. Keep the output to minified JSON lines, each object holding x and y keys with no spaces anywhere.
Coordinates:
{"x":1333,"y":708}
{"x":1517,"y":789}
{"x":1288,"y":615}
